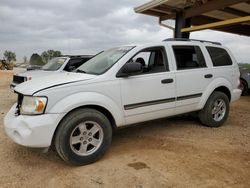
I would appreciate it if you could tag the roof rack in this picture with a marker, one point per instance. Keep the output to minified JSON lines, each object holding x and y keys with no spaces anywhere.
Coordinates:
{"x":183,"y":39}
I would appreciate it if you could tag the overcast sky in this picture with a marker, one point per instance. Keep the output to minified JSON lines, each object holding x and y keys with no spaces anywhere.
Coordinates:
{"x":86,"y":27}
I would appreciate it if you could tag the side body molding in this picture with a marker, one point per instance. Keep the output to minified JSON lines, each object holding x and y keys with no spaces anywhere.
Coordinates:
{"x":90,"y":98}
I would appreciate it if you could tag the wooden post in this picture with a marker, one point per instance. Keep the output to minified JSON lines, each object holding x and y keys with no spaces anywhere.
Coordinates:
{"x":181,"y":22}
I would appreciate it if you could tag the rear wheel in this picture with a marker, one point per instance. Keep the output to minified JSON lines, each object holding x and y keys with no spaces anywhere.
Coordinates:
{"x":243,"y":87}
{"x":216,"y":110}
{"x":83,"y":136}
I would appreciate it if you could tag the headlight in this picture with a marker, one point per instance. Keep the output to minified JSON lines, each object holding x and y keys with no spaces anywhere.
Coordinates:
{"x":27,"y":78}
{"x":33,"y":105}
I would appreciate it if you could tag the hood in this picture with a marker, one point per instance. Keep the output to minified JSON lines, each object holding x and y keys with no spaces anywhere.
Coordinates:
{"x":35,"y":73}
{"x":58,"y":78}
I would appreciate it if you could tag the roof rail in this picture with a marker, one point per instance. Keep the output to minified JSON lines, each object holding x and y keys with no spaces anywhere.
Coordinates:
{"x":183,"y":39}
{"x":72,"y":56}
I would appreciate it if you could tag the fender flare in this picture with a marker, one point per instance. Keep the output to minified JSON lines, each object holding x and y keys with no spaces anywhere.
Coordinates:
{"x":216,"y":83}
{"x":74,"y":101}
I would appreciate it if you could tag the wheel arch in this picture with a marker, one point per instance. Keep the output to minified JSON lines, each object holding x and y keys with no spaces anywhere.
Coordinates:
{"x":93,"y":100}
{"x":96,"y":100}
{"x":225,"y":90}
{"x":99,"y":108}
{"x":221,"y":85}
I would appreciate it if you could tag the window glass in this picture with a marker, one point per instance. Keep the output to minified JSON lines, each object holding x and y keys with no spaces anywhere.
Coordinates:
{"x":219,"y":56}
{"x":73,"y":64}
{"x":143,"y":55}
{"x":153,"y":60}
{"x":54,"y":64}
{"x":188,"y":57}
{"x":104,"y":61}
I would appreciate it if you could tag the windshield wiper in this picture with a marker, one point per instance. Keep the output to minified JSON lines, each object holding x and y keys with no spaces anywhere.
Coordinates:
{"x":81,"y":71}
{"x":47,"y":69}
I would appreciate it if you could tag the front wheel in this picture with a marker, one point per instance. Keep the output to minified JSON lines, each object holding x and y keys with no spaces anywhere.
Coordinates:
{"x":83,"y":136}
{"x":216,"y":110}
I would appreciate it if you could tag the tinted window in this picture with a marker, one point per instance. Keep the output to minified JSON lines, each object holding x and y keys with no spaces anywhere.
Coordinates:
{"x":73,"y":64}
{"x":219,"y":56}
{"x":188,"y":57}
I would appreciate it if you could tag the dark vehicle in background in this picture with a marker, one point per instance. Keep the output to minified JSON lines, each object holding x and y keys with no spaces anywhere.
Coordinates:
{"x":244,"y":80}
{"x":58,"y":64}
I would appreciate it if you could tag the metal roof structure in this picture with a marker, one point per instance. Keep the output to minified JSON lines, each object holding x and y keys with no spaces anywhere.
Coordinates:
{"x":232,"y":16}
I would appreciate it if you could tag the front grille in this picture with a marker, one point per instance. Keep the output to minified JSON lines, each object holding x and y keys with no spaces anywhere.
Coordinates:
{"x":19,"y":103}
{"x":18,"y":79}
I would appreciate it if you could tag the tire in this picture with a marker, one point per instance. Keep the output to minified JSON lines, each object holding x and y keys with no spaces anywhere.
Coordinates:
{"x":83,"y":136}
{"x":216,"y":110}
{"x":243,"y":87}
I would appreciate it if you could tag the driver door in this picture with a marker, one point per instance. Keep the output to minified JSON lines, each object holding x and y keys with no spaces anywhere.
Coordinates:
{"x":150,"y":94}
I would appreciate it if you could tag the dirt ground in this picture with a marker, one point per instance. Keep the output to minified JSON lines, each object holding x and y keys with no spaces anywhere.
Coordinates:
{"x":175,"y":152}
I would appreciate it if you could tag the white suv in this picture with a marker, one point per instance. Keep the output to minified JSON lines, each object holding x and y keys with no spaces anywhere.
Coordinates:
{"x":78,"y":111}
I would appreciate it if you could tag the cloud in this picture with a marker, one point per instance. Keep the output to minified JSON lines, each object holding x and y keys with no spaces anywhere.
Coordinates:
{"x":238,"y":45}
{"x":86,"y":27}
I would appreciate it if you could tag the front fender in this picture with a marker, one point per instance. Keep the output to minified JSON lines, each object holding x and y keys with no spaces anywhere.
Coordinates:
{"x":218,"y":82}
{"x":88,"y":98}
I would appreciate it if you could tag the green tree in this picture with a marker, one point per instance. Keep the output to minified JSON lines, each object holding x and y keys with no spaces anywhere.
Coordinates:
{"x":36,"y":59}
{"x":9,"y":56}
{"x":244,"y":65}
{"x":49,"y":54}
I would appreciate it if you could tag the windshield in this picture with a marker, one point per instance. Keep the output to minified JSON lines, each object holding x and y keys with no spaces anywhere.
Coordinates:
{"x":103,"y":61}
{"x":54,"y":64}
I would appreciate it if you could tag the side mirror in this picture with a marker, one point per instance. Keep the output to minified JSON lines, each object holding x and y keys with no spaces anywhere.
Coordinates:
{"x":130,"y":69}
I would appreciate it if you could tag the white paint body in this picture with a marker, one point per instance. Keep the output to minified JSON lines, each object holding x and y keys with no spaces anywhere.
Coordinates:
{"x":112,"y":93}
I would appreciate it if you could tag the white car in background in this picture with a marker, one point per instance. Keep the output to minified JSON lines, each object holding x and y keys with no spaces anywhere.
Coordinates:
{"x":58,"y":64}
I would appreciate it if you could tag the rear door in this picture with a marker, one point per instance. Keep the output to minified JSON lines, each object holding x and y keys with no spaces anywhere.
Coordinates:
{"x":192,"y":76}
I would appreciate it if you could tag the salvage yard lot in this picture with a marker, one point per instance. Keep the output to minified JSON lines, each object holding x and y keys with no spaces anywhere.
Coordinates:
{"x":174,"y":152}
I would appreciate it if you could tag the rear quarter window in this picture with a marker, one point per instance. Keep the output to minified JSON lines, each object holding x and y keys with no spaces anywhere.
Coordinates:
{"x":219,"y":56}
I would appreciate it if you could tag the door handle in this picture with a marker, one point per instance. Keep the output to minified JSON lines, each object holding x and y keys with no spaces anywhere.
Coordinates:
{"x":208,"y":76}
{"x":167,"y":81}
